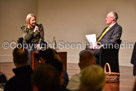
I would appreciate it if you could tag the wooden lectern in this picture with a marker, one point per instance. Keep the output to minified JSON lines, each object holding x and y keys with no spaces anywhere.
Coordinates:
{"x":35,"y":59}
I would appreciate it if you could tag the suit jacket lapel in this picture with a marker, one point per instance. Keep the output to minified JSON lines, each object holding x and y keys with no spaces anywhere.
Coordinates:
{"x":110,"y":29}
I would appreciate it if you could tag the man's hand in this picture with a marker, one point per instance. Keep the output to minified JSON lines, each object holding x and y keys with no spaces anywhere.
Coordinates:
{"x":90,"y":47}
{"x":96,"y":47}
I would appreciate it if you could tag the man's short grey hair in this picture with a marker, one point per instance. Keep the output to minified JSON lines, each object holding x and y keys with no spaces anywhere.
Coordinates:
{"x":115,"y":15}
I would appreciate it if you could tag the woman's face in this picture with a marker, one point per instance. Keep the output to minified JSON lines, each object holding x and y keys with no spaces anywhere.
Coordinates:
{"x":32,"y":21}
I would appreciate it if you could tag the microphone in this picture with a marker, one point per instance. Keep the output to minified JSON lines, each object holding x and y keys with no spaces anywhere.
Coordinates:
{"x":37,"y":26}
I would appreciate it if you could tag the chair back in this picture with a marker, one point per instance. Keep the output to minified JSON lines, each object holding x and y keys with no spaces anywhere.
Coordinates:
{"x":109,"y":54}
{"x":133,"y":58}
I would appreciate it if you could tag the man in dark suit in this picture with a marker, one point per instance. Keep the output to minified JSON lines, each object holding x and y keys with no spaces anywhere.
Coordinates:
{"x":111,"y":34}
{"x":133,"y":60}
{"x":22,"y":79}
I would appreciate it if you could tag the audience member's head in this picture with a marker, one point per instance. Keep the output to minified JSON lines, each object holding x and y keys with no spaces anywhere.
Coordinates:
{"x":48,"y":55}
{"x":58,"y":65}
{"x":3,"y":78}
{"x":134,"y":87}
{"x":20,"y":57}
{"x":86,"y":59}
{"x":46,"y":78}
{"x":92,"y":79}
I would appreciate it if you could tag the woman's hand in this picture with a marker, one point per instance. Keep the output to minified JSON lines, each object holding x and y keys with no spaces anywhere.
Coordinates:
{"x":36,"y":28}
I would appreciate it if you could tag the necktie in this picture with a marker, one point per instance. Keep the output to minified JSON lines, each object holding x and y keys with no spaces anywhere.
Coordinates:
{"x":103,"y":34}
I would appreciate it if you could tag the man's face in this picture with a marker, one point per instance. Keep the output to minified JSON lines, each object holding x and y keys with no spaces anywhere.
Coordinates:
{"x":109,"y":18}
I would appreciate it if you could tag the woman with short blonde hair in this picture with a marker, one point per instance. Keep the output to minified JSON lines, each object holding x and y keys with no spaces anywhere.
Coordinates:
{"x":33,"y":35}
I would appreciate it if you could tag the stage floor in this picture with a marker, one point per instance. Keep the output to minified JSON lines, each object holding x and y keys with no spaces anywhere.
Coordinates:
{"x":126,"y":77}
